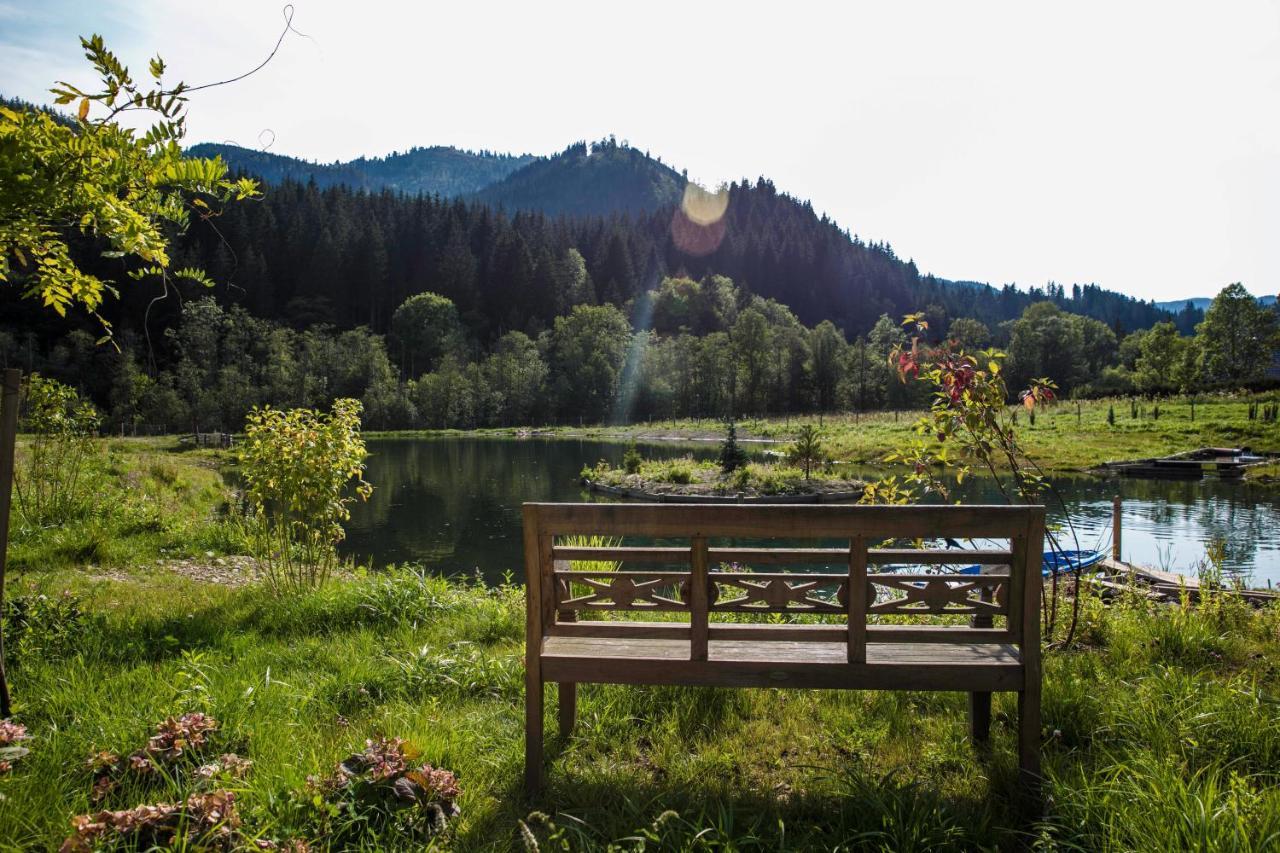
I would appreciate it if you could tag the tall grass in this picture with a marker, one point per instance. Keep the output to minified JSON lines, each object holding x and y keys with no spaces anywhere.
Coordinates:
{"x":1150,"y":743}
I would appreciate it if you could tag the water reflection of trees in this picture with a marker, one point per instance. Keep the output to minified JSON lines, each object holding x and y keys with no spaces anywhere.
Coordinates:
{"x":454,"y":504}
{"x":1180,"y":516}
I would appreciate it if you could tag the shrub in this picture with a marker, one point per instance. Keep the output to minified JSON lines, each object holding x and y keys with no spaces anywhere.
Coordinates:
{"x":10,"y":748}
{"x":807,"y":451}
{"x":732,"y":456}
{"x":297,"y":466}
{"x":681,"y":471}
{"x":379,"y":789}
{"x":42,"y":627}
{"x":632,"y":460}
{"x":203,"y":822}
{"x":179,"y":748}
{"x":50,"y":486}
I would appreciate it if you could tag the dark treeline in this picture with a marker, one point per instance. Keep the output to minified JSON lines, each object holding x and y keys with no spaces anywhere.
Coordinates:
{"x":684,"y":349}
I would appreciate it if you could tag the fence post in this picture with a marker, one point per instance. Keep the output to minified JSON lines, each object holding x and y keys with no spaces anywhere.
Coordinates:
{"x":1115,"y":528}
{"x":8,"y":438}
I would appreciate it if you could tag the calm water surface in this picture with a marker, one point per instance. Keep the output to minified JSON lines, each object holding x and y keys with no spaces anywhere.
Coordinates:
{"x":453,"y":504}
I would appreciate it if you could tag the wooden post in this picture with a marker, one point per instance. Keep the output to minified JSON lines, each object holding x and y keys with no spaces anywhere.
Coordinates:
{"x":980,"y":703}
{"x":567,"y":692}
{"x":8,"y":438}
{"x":1115,"y":528}
{"x":1029,"y":696}
{"x":699,"y":593}
{"x":533,"y":653}
{"x":856,"y":600}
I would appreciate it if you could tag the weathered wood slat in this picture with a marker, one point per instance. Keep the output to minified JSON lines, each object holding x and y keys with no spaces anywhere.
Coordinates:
{"x":822,"y":665}
{"x":992,"y":579}
{"x":795,"y":577}
{"x":937,"y":557}
{"x":1030,"y":555}
{"x":771,"y":633}
{"x":583,"y":574}
{"x":620,"y":553}
{"x":790,"y":556}
{"x":793,"y":522}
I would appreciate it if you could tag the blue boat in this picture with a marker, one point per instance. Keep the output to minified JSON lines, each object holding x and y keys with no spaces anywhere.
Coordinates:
{"x":1055,"y":562}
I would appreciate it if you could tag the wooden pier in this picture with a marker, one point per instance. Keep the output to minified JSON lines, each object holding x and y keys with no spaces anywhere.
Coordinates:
{"x":1224,"y":462}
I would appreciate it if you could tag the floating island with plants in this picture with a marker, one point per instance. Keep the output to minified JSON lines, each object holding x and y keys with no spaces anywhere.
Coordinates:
{"x":803,"y":474}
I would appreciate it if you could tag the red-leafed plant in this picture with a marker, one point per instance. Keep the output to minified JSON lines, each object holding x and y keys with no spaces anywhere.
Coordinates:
{"x":969,"y":424}
{"x":382,"y":786}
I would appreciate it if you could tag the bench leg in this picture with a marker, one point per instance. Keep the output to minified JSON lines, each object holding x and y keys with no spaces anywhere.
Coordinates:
{"x":1029,"y":734}
{"x":533,"y":735}
{"x":979,"y":718}
{"x":568,"y":708}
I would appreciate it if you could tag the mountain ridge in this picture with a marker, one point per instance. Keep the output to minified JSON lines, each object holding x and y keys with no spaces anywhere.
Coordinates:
{"x":829,"y":272}
{"x":1200,"y":303}
{"x":433,"y":170}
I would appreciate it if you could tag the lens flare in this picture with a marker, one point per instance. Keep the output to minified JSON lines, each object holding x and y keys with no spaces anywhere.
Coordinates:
{"x":698,"y":225}
{"x":702,"y":206}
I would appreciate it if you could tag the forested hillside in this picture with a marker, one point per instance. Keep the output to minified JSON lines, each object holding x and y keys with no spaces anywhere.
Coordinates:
{"x":442,"y":311}
{"x":437,"y":170}
{"x":589,"y":180}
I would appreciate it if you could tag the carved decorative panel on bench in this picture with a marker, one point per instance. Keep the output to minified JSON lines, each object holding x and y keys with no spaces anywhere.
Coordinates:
{"x":741,"y":592}
{"x":934,"y":594}
{"x":621,"y":590}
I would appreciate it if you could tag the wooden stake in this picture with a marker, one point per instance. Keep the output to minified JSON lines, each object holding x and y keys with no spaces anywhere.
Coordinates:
{"x":1115,"y":528}
{"x":8,"y":438}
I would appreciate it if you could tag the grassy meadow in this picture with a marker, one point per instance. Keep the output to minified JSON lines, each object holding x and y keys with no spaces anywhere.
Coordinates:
{"x":1161,"y":723}
{"x":1162,"y":729}
{"x":1065,"y":437}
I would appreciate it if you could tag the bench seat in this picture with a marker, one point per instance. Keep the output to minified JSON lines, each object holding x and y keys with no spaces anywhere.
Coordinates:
{"x":694,"y":599}
{"x":779,"y":663}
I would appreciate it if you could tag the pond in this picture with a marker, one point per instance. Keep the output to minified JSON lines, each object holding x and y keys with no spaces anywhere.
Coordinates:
{"x":453,"y":504}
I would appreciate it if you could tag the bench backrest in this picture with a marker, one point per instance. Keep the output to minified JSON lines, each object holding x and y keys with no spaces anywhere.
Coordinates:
{"x":690,"y":575}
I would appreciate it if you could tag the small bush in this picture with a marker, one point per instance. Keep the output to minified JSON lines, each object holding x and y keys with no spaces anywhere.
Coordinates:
{"x":11,"y":748}
{"x":202,"y":822}
{"x":732,"y":456}
{"x":181,"y":748}
{"x":680,"y":471}
{"x":379,"y":790}
{"x":51,"y":485}
{"x":297,"y":466}
{"x":41,"y":627}
{"x":807,"y":451}
{"x":632,"y":460}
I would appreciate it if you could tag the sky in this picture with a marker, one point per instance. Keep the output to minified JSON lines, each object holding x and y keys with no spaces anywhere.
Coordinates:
{"x":1135,"y":145}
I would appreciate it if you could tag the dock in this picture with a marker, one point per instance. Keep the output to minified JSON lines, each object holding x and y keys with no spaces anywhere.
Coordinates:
{"x":1116,"y":576}
{"x":1223,"y":462}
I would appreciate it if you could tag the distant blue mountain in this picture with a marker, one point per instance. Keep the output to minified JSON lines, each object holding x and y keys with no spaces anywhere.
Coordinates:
{"x":438,"y":170}
{"x":1201,"y":303}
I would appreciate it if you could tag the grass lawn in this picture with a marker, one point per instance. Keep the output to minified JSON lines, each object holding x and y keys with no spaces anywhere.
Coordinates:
{"x":145,"y":499}
{"x":1162,"y":724}
{"x":1162,"y":729}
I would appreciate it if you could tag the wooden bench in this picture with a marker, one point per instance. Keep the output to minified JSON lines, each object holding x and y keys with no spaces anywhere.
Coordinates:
{"x":705,"y":579}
